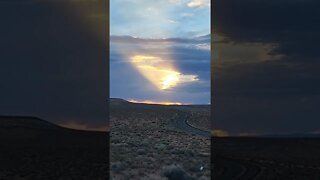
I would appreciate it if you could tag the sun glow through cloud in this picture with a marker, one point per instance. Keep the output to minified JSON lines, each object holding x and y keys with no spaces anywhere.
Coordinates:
{"x":154,"y":50}
{"x":160,"y":72}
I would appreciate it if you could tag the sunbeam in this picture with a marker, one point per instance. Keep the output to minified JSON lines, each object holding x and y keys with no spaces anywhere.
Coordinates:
{"x":160,"y":72}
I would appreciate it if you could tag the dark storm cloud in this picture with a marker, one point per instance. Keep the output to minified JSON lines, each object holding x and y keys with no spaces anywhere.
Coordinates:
{"x":190,"y":55}
{"x":277,"y":89}
{"x":53,"y":64}
{"x":196,"y":50}
{"x":294,"y":24}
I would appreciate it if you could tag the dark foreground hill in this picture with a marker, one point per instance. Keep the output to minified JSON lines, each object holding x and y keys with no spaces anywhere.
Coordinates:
{"x":266,"y":158}
{"x":31,"y":148}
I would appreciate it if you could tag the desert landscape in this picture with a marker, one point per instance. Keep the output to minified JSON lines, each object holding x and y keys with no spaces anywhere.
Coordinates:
{"x":32,"y":148}
{"x":150,"y":142}
{"x":158,"y":141}
{"x":266,"y":158}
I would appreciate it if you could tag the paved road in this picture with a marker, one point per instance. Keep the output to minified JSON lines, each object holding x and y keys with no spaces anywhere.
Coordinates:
{"x":234,"y":169}
{"x":182,"y":123}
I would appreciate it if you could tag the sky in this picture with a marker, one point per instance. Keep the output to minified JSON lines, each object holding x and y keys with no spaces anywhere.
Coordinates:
{"x":266,"y":68}
{"x":53,"y":61}
{"x":160,"y":51}
{"x":265,"y":60}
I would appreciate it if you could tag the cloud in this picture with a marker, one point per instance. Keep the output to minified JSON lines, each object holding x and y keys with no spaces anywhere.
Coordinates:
{"x":266,"y":22}
{"x":199,"y":3}
{"x":204,"y":46}
{"x":266,"y":66}
{"x":151,"y":63}
{"x":131,"y":39}
{"x":144,"y":18}
{"x":52,"y":70}
{"x":160,"y":72}
{"x":275,"y":55}
{"x":187,"y":14}
{"x":172,"y":21}
{"x":192,"y":4}
{"x":175,"y":1}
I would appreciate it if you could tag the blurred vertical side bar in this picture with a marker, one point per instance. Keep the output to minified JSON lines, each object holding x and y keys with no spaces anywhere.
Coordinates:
{"x":107,"y":5}
{"x":53,"y":89}
{"x":212,"y":164}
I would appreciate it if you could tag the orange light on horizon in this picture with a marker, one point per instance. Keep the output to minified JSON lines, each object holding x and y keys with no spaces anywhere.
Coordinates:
{"x":155,"y":102}
{"x":80,"y":126}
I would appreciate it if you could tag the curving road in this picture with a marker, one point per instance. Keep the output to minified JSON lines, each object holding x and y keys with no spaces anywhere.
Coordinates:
{"x":232,"y":168}
{"x":181,"y":122}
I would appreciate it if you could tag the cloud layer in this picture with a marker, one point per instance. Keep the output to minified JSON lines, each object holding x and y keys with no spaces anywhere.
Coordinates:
{"x":160,"y":72}
{"x":199,"y":3}
{"x":266,"y":66}
{"x":53,"y":61}
{"x":175,"y":65}
{"x":160,"y":19}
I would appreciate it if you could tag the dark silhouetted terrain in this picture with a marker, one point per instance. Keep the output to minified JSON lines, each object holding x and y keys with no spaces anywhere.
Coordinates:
{"x":266,"y":158}
{"x":33,"y":149}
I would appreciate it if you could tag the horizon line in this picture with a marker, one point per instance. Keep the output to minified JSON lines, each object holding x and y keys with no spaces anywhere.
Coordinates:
{"x":158,"y":102}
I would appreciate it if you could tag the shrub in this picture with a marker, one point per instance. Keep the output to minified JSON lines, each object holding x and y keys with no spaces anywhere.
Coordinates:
{"x":117,"y":167}
{"x":141,"y":152}
{"x":204,"y":178}
{"x":174,"y":172}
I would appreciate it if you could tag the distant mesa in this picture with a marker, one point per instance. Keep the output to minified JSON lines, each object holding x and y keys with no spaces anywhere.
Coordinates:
{"x":118,"y":100}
